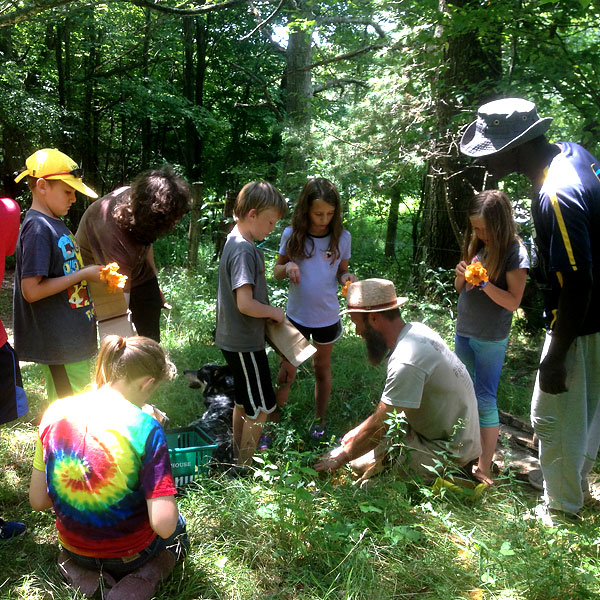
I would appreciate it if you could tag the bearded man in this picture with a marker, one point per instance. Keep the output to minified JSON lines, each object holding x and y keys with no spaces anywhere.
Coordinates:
{"x":425,"y":381}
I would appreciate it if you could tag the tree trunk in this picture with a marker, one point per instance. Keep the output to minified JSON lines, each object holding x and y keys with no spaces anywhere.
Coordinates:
{"x":298,"y":83}
{"x":195,"y":225}
{"x":468,"y":75}
{"x":392,"y":223}
{"x":146,"y":121}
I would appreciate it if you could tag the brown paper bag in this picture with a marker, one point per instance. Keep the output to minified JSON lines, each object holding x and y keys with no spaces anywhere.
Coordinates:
{"x":288,"y":342}
{"x":112,"y":313}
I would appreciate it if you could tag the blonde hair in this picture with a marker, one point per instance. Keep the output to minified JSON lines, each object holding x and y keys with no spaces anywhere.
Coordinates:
{"x":131,"y":358}
{"x":258,"y":195}
{"x":493,"y":206}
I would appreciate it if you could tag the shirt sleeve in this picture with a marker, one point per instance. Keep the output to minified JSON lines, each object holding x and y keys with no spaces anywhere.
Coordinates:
{"x":570,"y":244}
{"x":156,"y":477}
{"x":242,"y":267}
{"x":404,"y":386}
{"x":38,"y":457}
{"x":346,"y":245}
{"x":36,"y":249}
{"x":285,"y":236}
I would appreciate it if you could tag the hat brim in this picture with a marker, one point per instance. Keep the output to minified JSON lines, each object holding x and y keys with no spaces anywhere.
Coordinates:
{"x":399,"y":303}
{"x":476,"y":145}
{"x":78,"y":185}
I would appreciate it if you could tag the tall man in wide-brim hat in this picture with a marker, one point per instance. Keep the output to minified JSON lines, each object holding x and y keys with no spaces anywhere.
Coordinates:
{"x":508,"y":137}
{"x":425,"y":381}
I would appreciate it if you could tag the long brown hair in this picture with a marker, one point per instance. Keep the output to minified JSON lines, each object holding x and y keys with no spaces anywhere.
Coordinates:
{"x":131,"y":358}
{"x":317,"y":188}
{"x":493,"y":206}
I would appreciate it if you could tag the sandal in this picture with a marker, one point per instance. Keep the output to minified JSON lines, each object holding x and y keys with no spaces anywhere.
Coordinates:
{"x":11,"y":529}
{"x":264,"y":442}
{"x":317,"y":431}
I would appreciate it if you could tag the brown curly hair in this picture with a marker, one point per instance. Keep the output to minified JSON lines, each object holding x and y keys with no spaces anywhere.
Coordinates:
{"x":157,"y":201}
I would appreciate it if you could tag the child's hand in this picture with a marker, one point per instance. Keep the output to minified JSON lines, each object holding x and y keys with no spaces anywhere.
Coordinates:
{"x":91,"y":273}
{"x":461,"y":267}
{"x":292,"y":270}
{"x":331,"y":461}
{"x":348,"y":277}
{"x":278,"y":314}
{"x":350,"y":436}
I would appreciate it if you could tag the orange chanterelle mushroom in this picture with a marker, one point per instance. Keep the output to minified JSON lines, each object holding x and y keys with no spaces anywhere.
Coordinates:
{"x":113,"y":279}
{"x":475,"y":273}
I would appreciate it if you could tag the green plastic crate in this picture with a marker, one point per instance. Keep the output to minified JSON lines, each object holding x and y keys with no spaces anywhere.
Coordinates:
{"x":190,"y":451}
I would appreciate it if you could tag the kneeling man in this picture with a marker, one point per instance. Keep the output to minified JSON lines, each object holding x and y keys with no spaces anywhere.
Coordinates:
{"x":425,"y":380}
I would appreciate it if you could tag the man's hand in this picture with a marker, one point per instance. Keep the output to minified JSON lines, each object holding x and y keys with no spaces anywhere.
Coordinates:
{"x":332,"y":460}
{"x":553,"y":375}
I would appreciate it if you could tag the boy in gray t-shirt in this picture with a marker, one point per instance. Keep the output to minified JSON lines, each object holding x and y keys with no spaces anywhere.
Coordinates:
{"x":242,"y":307}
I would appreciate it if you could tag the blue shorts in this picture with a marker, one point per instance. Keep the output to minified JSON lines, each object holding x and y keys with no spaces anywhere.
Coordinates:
{"x":320,"y":335}
{"x":252,"y":381}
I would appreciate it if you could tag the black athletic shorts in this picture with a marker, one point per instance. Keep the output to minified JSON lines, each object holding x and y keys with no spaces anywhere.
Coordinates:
{"x":252,"y":381}
{"x":320,"y":335}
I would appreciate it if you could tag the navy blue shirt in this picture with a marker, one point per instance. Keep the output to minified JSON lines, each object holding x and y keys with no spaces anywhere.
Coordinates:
{"x":566,"y":217}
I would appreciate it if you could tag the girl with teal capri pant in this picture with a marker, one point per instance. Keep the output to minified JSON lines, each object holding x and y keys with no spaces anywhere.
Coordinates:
{"x":485,"y":311}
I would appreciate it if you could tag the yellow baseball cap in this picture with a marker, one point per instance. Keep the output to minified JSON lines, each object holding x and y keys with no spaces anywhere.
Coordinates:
{"x":50,"y":163}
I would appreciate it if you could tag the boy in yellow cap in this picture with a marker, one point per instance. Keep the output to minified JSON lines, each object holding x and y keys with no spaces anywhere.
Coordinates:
{"x":54,"y":322}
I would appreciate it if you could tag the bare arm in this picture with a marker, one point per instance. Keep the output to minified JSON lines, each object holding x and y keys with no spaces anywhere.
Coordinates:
{"x":284,"y":267}
{"x":459,"y":280}
{"x":573,"y":304}
{"x":251,"y":307}
{"x":342,"y":273}
{"x":38,"y":491}
{"x":509,"y":299}
{"x":163,"y":515}
{"x":363,"y":438}
{"x":38,"y":288}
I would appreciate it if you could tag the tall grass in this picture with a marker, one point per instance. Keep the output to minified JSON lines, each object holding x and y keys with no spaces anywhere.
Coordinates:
{"x":287,"y":533}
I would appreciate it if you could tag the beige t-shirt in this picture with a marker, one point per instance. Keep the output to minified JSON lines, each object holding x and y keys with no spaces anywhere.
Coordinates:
{"x":432,"y":386}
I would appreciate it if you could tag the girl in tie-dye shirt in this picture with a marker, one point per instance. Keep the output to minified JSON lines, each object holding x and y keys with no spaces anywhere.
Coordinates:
{"x":103,"y":464}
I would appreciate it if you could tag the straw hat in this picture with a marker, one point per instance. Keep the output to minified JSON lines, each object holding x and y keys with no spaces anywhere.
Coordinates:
{"x":372,"y":295}
{"x":502,"y":125}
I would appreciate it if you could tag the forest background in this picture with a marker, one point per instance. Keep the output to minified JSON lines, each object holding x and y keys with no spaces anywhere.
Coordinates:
{"x":372,"y":94}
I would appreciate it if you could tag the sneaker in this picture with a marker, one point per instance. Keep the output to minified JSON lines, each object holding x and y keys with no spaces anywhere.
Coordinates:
{"x":11,"y":529}
{"x":551,"y":517}
{"x":264,"y":442}
{"x":317,"y":431}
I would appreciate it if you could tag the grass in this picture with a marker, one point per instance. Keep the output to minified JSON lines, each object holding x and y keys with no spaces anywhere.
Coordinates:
{"x":288,"y":534}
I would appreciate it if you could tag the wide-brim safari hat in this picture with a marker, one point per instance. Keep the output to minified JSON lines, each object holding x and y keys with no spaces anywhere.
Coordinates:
{"x":502,"y":125}
{"x":372,"y":295}
{"x":53,"y":164}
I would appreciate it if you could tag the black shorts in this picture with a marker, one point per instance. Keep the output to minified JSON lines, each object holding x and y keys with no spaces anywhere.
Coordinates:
{"x":321,"y":335}
{"x":252,"y":381}
{"x":13,"y":403}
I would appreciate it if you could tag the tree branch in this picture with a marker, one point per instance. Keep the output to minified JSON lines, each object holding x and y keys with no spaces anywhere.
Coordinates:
{"x":352,"y":21}
{"x":38,"y":6}
{"x":339,"y":82}
{"x":268,"y":101}
{"x":262,"y":24}
{"x":340,"y":57}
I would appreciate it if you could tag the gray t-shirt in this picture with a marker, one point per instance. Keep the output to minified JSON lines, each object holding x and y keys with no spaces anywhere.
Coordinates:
{"x":241,"y":263}
{"x":478,"y":315}
{"x":428,"y":381}
{"x":59,"y":329}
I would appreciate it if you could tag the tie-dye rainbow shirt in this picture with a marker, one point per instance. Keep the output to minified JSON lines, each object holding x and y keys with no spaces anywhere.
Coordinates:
{"x":103,"y":458}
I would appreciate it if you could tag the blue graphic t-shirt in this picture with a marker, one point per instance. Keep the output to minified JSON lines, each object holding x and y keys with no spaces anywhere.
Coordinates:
{"x":566,"y":216}
{"x":60,"y":329}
